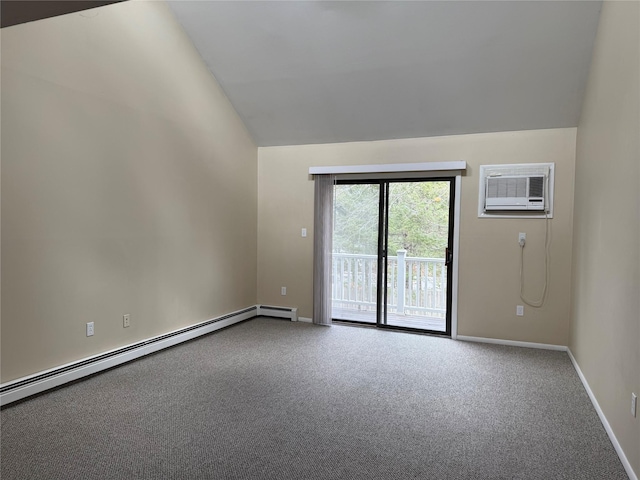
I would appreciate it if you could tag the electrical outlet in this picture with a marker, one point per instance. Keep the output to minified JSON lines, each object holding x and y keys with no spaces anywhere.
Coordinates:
{"x":520,"y":310}
{"x":522,"y":238}
{"x":89,"y":329}
{"x":634,"y":404}
{"x":126,"y":320}
{"x":283,"y":291}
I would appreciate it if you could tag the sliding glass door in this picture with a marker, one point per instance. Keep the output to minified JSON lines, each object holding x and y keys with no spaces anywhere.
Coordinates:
{"x":392,"y":247}
{"x":418,"y":239}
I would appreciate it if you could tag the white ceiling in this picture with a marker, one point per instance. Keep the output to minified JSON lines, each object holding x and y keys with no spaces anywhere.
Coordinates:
{"x":316,"y":72}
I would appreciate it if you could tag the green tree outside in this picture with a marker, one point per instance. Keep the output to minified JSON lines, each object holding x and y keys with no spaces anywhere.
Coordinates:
{"x":418,"y":218}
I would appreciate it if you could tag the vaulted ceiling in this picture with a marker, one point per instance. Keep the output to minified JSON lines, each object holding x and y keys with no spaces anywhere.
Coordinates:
{"x":317,"y":72}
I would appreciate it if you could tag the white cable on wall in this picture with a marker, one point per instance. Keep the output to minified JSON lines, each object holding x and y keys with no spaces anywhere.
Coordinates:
{"x":537,"y":303}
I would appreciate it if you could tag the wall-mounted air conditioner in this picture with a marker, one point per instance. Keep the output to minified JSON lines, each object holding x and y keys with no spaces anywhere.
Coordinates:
{"x":517,"y":190}
{"x":514,"y":192}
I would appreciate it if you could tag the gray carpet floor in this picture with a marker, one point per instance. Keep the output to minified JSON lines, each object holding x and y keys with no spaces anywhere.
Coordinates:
{"x":270,"y":399}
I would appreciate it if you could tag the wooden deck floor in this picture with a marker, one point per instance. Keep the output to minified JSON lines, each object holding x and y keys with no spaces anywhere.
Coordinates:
{"x":393,"y":319}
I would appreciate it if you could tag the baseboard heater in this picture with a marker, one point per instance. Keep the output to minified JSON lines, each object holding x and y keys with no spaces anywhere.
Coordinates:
{"x":32,"y":384}
{"x":288,"y":313}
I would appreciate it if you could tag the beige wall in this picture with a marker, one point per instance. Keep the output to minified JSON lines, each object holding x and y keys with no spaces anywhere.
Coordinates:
{"x":605,"y":330}
{"x":489,"y":251}
{"x":128,"y":186}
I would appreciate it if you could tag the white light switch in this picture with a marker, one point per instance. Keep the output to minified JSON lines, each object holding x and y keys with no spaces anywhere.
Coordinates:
{"x":304,"y":232}
{"x":283,"y":291}
{"x":520,"y":310}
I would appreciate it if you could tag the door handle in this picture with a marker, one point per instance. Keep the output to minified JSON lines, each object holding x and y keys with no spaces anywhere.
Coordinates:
{"x":448,"y":256}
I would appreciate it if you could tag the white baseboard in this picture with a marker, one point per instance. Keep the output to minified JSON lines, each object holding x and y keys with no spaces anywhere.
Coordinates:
{"x":45,"y":380}
{"x":603,"y":419}
{"x":305,"y":319}
{"x":512,"y":343}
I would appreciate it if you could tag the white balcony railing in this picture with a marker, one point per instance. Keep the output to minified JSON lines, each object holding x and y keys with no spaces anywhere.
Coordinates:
{"x":415,"y":286}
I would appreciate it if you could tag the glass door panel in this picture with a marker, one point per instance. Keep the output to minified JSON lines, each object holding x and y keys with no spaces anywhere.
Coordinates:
{"x":418,"y":239}
{"x":354,"y":269}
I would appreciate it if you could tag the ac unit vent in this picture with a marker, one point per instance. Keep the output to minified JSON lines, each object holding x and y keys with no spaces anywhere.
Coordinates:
{"x":501,"y":187}
{"x":536,"y":186}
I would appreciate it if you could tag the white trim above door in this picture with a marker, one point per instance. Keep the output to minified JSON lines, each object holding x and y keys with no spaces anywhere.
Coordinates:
{"x":390,"y":168}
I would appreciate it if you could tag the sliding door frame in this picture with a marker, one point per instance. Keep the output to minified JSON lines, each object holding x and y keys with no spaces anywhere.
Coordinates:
{"x":383,"y":223}
{"x":451,"y":260}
